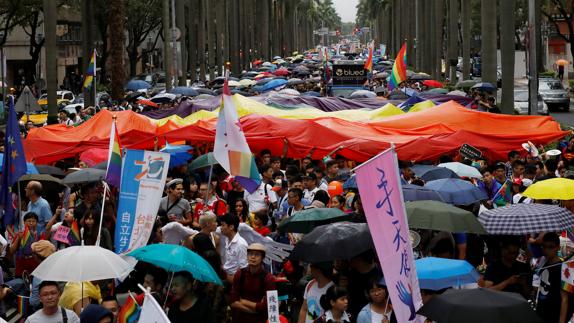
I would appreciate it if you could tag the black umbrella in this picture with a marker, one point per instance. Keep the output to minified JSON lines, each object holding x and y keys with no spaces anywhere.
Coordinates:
{"x":341,"y":240}
{"x":132,"y":96}
{"x":50,"y":185}
{"x":479,"y":305}
{"x":430,"y":172}
{"x":50,"y":170}
{"x":398,"y":95}
{"x":85,"y":175}
{"x":203,"y":90}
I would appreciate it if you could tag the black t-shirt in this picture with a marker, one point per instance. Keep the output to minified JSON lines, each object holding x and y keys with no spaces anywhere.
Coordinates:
{"x":549,"y":299}
{"x":496,"y":272}
{"x":358,"y":284}
{"x":200,"y":312}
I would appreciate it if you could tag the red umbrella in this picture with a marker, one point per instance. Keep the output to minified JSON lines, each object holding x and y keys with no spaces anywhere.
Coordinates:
{"x":257,"y":62}
{"x":433,"y":84}
{"x":281,"y":72}
{"x":94,"y":156}
{"x":149,"y":103}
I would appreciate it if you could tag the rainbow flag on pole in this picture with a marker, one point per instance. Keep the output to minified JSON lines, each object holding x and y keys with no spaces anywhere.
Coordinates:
{"x":130,"y":312}
{"x":91,"y":71}
{"x":114,"y":169}
{"x":399,"y":73}
{"x":369,"y":62}
{"x":23,"y":303}
{"x":231,"y":149}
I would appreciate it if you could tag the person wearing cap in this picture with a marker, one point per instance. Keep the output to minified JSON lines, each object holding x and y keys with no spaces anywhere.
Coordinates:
{"x":322,"y":279}
{"x":520,"y":185}
{"x":174,"y":205}
{"x":310,"y":184}
{"x":248,"y":296}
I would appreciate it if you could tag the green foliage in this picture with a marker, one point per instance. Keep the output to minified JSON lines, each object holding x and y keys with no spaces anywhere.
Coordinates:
{"x":548,"y":74}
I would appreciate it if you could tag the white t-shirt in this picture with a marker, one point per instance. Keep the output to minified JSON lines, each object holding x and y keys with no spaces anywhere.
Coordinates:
{"x":376,"y":317}
{"x":516,"y":199}
{"x":256,"y":200}
{"x":235,"y":255}
{"x":313,"y":296}
{"x":310,"y":194}
{"x":40,"y":317}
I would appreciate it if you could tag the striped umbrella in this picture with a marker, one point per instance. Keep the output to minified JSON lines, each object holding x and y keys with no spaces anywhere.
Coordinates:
{"x":519,"y":219}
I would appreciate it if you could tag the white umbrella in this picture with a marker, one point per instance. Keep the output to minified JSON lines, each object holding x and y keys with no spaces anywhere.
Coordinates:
{"x":462,"y":170}
{"x":290,"y":92}
{"x":83,"y":263}
{"x":232,"y":83}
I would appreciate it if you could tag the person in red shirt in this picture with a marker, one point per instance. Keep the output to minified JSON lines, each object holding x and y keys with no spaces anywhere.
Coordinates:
{"x":214,"y":204}
{"x":260,"y":219}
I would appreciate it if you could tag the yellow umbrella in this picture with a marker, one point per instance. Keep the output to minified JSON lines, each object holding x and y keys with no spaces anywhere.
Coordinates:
{"x":551,"y":189}
{"x":562,"y":62}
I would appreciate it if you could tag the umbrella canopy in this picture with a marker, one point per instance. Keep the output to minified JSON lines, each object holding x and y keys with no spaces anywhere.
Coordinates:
{"x":432,"y":83}
{"x":174,"y":258}
{"x":457,"y":191}
{"x":520,"y":219}
{"x":419,"y":193}
{"x":434,"y":215}
{"x":359,"y":94}
{"x":82,"y":263}
{"x":282,"y":72}
{"x":163,"y":98}
{"x":466,"y":84}
{"x":462,"y":170}
{"x":291,"y":92}
{"x":436,"y":91}
{"x":203,"y":161}
{"x":94,"y":156}
{"x":419,"y":77}
{"x":439,"y":273}
{"x":457,"y":92}
{"x":306,"y":220}
{"x":562,"y":62}
{"x":275,"y":83}
{"x":179,"y":154}
{"x":295,"y":81}
{"x":478,"y":306}
{"x":147,"y":102}
{"x":551,"y":189}
{"x":381,"y":75}
{"x":50,"y":170}
{"x":134,"y":85}
{"x":431,"y":173}
{"x":183,"y":90}
{"x":85,"y":175}
{"x":341,"y":240}
{"x":247,"y":82}
{"x":484,"y":86}
{"x":50,"y":184}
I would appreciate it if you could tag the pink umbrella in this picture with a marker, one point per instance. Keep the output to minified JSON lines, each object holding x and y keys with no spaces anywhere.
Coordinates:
{"x":94,"y":156}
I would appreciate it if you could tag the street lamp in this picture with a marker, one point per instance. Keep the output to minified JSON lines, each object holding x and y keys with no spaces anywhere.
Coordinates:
{"x":39,"y":38}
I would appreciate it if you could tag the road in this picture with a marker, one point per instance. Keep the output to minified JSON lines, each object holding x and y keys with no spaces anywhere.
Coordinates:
{"x":565,"y":117}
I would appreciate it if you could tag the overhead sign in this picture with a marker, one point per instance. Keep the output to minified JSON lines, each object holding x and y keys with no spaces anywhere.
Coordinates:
{"x":470,"y":152}
{"x":27,"y":102}
{"x":349,"y":74}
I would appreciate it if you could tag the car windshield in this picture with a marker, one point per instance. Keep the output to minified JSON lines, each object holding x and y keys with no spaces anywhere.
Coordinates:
{"x":521,"y":96}
{"x":551,"y":85}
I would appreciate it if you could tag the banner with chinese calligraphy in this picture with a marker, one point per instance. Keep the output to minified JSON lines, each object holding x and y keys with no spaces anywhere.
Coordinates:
{"x":381,"y":196}
{"x":142,"y":184}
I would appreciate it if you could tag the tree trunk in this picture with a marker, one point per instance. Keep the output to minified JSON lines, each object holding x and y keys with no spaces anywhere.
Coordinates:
{"x":51,"y":59}
{"x":235,"y":37}
{"x":209,"y":10}
{"x":439,"y":38}
{"x":117,"y":64}
{"x":180,"y":23}
{"x":167,"y":49}
{"x":201,"y":47}
{"x":488,"y":30}
{"x":193,"y":15}
{"x":419,"y":29}
{"x":220,"y":36}
{"x":453,"y":40}
{"x":133,"y":58}
{"x":507,"y":54}
{"x":465,"y":24}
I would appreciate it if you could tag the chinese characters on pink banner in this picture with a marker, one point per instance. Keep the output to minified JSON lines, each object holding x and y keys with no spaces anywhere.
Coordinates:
{"x":381,"y":193}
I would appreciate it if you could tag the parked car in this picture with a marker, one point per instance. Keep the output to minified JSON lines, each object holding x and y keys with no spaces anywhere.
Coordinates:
{"x":554,"y":94}
{"x":521,"y":103}
{"x":63,"y":96}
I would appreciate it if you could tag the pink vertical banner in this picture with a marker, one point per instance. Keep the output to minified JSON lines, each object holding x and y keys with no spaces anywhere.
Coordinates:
{"x":382,"y":197}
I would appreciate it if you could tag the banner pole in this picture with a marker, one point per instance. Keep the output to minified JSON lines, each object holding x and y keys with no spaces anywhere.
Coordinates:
{"x":106,"y":188}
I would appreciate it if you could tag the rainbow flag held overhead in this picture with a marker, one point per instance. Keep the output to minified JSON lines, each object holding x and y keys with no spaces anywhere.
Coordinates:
{"x":399,"y":73}
{"x":23,"y":303}
{"x":74,"y":234}
{"x":114,"y":169}
{"x":369,"y":61}
{"x":130,"y":311}
{"x":26,"y":241}
{"x":231,"y":149}
{"x":91,"y":71}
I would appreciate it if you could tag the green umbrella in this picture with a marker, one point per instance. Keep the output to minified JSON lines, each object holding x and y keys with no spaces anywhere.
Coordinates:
{"x":437,"y":91}
{"x":306,"y":220}
{"x":435,"y":215}
{"x":466,"y":84}
{"x":203,"y":161}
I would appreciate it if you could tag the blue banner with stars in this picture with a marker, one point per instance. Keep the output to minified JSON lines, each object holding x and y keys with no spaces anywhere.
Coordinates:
{"x":14,"y":165}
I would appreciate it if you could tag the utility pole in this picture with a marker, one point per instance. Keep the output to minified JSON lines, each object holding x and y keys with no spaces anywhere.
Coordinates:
{"x":167,"y":54}
{"x":532,"y":58}
{"x":174,"y":45}
{"x":50,"y":16}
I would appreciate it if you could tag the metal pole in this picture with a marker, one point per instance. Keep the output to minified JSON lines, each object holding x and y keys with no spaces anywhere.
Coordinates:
{"x":532,"y":59}
{"x":3,"y":82}
{"x":174,"y":42}
{"x":208,"y":184}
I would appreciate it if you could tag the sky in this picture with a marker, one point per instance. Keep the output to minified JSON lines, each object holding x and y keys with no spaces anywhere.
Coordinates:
{"x":347,"y":9}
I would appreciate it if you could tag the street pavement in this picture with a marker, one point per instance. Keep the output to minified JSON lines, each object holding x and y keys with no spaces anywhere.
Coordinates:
{"x":565,"y":117}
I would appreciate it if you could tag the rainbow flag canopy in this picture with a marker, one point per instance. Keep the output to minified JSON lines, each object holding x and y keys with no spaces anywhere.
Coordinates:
{"x":114,"y":169}
{"x":399,"y":73}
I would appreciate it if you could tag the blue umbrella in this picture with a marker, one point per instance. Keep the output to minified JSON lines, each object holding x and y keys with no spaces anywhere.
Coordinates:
{"x":439,"y":273}
{"x":350,"y":183}
{"x":431,"y":173}
{"x":419,"y":193}
{"x":179,"y":154}
{"x":176,"y":258}
{"x":30,"y":168}
{"x":273,"y":84}
{"x":456,"y":191}
{"x":484,"y":86}
{"x":134,"y":85}
{"x":183,"y":90}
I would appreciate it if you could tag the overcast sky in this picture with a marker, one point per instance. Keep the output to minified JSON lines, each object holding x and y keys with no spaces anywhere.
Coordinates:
{"x":347,"y":9}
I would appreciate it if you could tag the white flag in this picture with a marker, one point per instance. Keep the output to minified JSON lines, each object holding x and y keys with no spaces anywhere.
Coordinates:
{"x":152,"y":312}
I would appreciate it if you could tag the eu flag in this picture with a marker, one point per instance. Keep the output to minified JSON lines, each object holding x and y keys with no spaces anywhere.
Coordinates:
{"x":14,"y":165}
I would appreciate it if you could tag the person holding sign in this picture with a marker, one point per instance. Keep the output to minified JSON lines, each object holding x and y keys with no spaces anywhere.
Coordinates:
{"x":250,"y":285}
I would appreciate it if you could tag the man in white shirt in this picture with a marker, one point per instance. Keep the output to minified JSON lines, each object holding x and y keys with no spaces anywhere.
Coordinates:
{"x":235,"y":247}
{"x":51,"y":312}
{"x":310,"y":184}
{"x":262,"y":198}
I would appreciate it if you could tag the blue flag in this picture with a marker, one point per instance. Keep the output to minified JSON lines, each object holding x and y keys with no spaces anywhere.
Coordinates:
{"x":14,"y":165}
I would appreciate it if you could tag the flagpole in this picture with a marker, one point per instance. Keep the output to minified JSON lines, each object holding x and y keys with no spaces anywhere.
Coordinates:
{"x":106,"y":188}
{"x":95,"y":82}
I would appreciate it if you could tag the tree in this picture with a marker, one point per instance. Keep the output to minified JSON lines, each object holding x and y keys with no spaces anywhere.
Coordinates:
{"x":507,"y":29}
{"x":117,"y":66}
{"x":142,"y":18}
{"x":488,"y":27}
{"x":557,"y":12}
